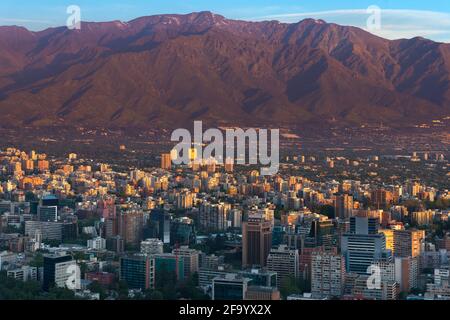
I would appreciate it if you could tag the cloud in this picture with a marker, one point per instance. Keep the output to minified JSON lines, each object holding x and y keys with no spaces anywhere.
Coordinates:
{"x":395,"y":23}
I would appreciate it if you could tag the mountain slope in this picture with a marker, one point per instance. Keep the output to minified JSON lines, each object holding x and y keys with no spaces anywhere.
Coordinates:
{"x":172,"y":69}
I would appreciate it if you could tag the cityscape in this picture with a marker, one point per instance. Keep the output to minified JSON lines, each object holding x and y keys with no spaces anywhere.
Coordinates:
{"x":224,"y":159}
{"x":204,"y":231}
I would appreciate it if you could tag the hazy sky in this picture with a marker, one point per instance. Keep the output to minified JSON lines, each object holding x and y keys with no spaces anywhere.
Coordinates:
{"x":399,"y":18}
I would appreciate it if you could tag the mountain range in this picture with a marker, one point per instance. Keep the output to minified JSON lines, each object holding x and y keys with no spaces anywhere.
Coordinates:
{"x":168,"y":70}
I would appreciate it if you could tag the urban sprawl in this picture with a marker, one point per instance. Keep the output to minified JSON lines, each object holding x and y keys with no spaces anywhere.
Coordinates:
{"x":76,"y":229}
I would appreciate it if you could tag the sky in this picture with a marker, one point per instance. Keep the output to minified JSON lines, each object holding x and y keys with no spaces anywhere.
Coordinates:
{"x":395,"y":18}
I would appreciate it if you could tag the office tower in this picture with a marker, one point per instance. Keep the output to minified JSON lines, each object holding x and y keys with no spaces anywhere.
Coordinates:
{"x":214,"y":217}
{"x":235,"y":216}
{"x":48,"y":230}
{"x":56,"y":270}
{"x":230,"y":286}
{"x":161,"y":221}
{"x":406,"y":272}
{"x":47,"y":213}
{"x":190,"y":259}
{"x":323,"y":233}
{"x":182,"y":231}
{"x":363,"y":245}
{"x":115,"y":244}
{"x":166,"y":161}
{"x":284,"y":262}
{"x":111,"y":227}
{"x":343,"y":205}
{"x":168,"y":262}
{"x":152,"y":246}
{"x":131,"y":224}
{"x":138,"y":271}
{"x":256,"y":241}
{"x":261,"y":277}
{"x":364,"y":225}
{"x":407,"y":243}
{"x":389,"y":287}
{"x":327,"y":275}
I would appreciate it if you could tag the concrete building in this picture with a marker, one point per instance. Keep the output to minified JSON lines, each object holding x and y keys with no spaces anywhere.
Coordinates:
{"x":327,"y":275}
{"x":283,"y":261}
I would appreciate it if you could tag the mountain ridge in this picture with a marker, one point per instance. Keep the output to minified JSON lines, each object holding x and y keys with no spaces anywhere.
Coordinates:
{"x":171,"y":69}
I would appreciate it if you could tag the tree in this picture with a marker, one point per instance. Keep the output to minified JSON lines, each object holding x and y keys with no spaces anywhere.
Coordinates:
{"x":327,"y":210}
{"x":290,"y":285}
{"x":156,"y":295}
{"x":96,"y":287}
{"x":38,"y":260}
{"x":122,"y":289}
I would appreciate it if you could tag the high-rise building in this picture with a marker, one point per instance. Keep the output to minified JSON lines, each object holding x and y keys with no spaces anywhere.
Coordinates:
{"x":161,"y":221}
{"x":131,"y":223}
{"x":256,"y":241}
{"x":115,"y":244}
{"x":343,"y":205}
{"x":407,"y":243}
{"x":182,"y":231}
{"x":56,"y":270}
{"x":363,"y":245}
{"x":407,"y":273}
{"x":169,"y":262}
{"x":230,"y":286}
{"x":47,"y":213}
{"x":190,"y":258}
{"x":166,"y":161}
{"x":285,"y":262}
{"x":381,"y":198}
{"x":138,"y":271}
{"x":327,"y":275}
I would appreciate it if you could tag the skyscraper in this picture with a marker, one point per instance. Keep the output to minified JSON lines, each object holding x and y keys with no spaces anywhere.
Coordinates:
{"x":407,"y":243}
{"x":327,"y":274}
{"x":190,"y":259}
{"x":138,"y":271}
{"x":166,"y":161}
{"x":56,"y":270}
{"x":363,"y":245}
{"x":256,"y":241}
{"x":343,"y":205}
{"x":131,"y":225}
{"x":285,"y":262}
